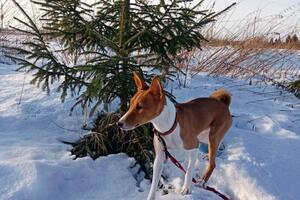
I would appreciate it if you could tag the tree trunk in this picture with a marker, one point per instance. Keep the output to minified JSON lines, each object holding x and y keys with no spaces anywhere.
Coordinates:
{"x":124,"y":34}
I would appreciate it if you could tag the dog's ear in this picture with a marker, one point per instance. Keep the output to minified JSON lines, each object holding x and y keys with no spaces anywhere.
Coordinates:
{"x":156,"y":88}
{"x":139,"y":82}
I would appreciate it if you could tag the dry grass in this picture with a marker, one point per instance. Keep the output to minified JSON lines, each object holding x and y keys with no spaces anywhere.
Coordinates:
{"x":251,"y":49}
{"x":271,"y":66}
{"x":255,"y":43}
{"x":106,"y":138}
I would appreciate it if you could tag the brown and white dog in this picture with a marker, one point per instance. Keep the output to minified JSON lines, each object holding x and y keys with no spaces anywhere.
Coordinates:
{"x":202,"y":120}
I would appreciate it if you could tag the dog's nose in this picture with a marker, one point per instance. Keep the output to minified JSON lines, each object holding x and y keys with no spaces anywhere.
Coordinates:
{"x":120,"y":124}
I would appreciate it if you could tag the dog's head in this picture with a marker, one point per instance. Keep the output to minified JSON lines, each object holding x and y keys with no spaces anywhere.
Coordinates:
{"x":145,"y":105}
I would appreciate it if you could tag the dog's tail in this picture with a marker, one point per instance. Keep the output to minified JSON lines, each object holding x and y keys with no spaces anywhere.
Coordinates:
{"x":222,"y":95}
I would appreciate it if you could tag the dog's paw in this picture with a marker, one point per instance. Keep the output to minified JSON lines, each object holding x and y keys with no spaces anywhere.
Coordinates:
{"x":201,"y":183}
{"x":164,"y":192}
{"x":185,"y":191}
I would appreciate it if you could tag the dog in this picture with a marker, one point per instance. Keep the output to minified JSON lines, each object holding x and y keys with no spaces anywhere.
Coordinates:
{"x":182,"y":126}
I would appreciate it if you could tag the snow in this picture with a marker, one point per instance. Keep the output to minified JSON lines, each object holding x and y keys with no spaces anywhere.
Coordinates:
{"x":261,"y":159}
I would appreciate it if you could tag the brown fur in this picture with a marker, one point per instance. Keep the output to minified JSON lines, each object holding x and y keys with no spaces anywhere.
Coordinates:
{"x":194,"y":116}
{"x":200,"y":114}
{"x":142,"y":102}
{"x":222,"y":95}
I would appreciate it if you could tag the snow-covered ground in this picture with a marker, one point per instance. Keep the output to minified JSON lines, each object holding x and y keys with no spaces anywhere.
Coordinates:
{"x":261,"y":160}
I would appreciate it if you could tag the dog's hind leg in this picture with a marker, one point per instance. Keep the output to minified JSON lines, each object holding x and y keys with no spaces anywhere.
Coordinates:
{"x":192,"y":156}
{"x":213,"y":145}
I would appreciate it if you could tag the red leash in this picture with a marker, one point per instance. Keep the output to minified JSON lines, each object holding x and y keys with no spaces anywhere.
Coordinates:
{"x":179,"y":166}
{"x":211,"y":189}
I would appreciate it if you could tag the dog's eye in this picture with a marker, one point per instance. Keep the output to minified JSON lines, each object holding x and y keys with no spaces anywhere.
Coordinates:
{"x":139,"y":107}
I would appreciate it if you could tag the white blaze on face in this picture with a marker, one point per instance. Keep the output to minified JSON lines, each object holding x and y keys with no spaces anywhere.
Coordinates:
{"x":122,"y":123}
{"x":145,"y":105}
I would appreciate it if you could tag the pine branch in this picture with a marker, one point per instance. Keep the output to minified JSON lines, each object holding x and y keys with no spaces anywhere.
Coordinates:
{"x":104,"y":49}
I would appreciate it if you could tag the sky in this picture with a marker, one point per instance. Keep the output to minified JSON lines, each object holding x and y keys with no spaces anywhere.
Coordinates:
{"x":279,"y":16}
{"x":269,"y":7}
{"x":282,"y":15}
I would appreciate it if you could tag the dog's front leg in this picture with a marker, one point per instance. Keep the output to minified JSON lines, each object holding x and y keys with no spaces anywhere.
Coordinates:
{"x":192,"y":156}
{"x":157,"y":167}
